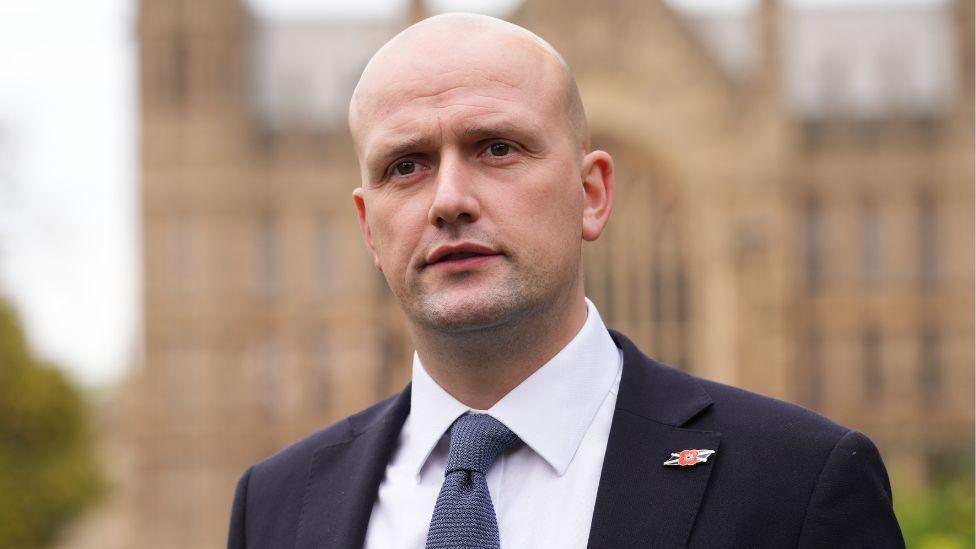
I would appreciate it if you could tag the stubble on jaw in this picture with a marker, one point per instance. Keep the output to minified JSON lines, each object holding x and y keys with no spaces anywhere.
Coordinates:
{"x":467,"y":304}
{"x":504,"y":318}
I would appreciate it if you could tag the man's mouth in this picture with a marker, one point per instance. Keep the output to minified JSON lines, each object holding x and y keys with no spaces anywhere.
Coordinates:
{"x":461,"y":255}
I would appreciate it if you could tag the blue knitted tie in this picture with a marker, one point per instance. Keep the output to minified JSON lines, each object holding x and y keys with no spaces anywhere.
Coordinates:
{"x":464,"y":517}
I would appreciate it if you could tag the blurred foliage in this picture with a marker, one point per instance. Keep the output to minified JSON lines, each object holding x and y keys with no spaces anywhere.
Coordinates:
{"x":938,"y":517}
{"x":48,"y":468}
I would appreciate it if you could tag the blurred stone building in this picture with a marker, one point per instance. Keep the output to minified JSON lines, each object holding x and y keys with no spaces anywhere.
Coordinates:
{"x":794,"y":215}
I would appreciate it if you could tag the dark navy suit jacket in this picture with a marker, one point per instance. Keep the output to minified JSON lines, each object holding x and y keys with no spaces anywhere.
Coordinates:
{"x":782,"y":476}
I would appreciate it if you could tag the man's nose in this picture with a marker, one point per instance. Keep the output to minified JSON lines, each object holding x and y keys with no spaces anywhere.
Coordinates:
{"x":454,"y":195}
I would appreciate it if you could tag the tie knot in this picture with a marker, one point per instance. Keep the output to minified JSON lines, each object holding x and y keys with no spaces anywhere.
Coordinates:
{"x":476,"y":440}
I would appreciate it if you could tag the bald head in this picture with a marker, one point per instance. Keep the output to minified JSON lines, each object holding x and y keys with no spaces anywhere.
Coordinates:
{"x":457,"y":43}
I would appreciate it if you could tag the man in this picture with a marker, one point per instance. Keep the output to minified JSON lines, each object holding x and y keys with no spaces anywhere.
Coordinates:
{"x":528,"y":423}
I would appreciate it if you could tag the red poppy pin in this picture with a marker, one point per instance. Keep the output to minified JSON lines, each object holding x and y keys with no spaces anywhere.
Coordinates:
{"x":687,"y":458}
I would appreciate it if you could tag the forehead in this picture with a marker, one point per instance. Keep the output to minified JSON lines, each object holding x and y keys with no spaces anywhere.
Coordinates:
{"x":419,"y":92}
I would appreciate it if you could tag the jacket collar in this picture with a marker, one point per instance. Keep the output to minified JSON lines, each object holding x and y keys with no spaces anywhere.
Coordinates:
{"x":657,"y":392}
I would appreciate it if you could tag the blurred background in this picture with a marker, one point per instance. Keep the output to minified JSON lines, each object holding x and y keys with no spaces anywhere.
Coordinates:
{"x":183,"y":287}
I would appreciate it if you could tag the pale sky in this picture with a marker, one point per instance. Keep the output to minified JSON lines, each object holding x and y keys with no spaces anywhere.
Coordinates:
{"x":69,"y":228}
{"x":68,"y":231}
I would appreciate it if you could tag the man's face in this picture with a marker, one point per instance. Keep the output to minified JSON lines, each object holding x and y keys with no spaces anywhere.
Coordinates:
{"x":471,"y":201}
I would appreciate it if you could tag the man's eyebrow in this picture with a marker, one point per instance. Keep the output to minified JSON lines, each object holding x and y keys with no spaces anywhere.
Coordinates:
{"x":389,"y":150}
{"x":497,"y":129}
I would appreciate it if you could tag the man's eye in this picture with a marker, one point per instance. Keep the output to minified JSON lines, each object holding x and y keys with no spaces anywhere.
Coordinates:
{"x":405,"y":167}
{"x":500,"y":149}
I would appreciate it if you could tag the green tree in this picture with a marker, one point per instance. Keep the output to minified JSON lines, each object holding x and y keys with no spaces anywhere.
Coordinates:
{"x":939,"y":516}
{"x":48,"y":469}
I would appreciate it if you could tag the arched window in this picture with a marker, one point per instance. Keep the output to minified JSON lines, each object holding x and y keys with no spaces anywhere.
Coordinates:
{"x":873,"y":369}
{"x":872,"y":244}
{"x":813,"y":244}
{"x":928,"y":240}
{"x":930,"y":375}
{"x":267,"y":256}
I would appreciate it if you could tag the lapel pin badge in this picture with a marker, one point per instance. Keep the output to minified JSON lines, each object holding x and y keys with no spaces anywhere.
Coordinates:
{"x":687,"y":458}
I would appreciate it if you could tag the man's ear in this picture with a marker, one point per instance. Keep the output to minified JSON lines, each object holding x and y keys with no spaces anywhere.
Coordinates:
{"x":597,"y":176}
{"x":360,"y":200}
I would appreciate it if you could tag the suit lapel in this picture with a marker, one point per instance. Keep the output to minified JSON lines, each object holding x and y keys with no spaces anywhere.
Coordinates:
{"x":640,"y":502}
{"x":345,"y":477}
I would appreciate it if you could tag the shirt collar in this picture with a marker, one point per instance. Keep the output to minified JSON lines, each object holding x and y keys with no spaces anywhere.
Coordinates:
{"x":550,"y":411}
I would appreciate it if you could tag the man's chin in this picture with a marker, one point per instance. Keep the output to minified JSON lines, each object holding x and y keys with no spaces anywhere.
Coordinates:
{"x":468,"y":313}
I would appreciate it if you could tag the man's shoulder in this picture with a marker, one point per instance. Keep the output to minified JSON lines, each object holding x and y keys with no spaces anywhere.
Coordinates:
{"x":753,"y":425}
{"x":271,"y":496}
{"x":297,"y":455}
{"x":738,"y":410}
{"x":749,"y":419}
{"x":821,"y":482}
{"x":752,"y":420}
{"x":815,"y":482}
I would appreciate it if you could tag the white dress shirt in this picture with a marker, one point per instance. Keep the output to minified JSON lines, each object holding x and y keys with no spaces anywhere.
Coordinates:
{"x":543,"y":491}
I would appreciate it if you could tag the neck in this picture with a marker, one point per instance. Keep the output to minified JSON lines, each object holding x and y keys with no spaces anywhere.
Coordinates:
{"x":478,"y":368}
